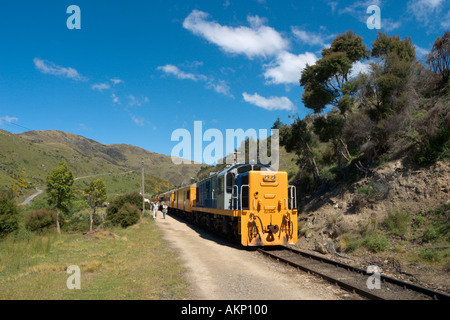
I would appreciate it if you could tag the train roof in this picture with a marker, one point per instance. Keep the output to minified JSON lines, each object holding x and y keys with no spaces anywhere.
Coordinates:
{"x":239,"y":167}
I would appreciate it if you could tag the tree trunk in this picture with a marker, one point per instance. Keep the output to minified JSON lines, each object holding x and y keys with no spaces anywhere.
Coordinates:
{"x":312,"y":161}
{"x":91,"y":220}
{"x":57,"y":223}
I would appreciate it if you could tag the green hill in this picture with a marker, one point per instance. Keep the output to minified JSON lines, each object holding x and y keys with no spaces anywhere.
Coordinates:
{"x":27,"y":158}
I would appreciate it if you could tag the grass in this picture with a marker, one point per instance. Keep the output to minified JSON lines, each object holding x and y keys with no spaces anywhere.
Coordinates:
{"x":422,"y":237}
{"x":398,"y":222}
{"x":135,"y":264}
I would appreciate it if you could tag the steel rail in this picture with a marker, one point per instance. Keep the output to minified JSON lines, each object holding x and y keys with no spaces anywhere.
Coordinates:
{"x":365,"y":292}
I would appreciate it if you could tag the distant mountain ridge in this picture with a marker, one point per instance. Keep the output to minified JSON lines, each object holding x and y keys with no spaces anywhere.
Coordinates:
{"x":33,"y":154}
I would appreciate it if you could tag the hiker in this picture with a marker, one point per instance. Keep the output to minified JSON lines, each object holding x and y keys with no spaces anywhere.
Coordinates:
{"x":155,"y":210}
{"x":165,"y":208}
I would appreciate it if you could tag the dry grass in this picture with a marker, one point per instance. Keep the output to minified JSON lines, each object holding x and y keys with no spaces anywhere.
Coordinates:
{"x":137,"y":264}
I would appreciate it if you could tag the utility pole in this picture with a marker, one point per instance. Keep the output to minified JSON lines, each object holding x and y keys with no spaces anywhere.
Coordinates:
{"x":143,"y":192}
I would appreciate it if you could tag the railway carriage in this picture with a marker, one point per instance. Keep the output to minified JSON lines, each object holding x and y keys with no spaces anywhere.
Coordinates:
{"x":249,"y":202}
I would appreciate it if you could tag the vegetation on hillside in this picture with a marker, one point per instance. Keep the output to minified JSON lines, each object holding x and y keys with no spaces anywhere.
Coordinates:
{"x":399,"y":108}
{"x":27,"y":158}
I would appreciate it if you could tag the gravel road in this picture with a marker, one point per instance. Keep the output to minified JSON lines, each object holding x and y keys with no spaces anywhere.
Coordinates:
{"x":218,"y":270}
{"x":30,"y":198}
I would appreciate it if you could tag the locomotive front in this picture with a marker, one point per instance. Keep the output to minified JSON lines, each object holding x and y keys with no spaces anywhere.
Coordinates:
{"x":268,"y":209}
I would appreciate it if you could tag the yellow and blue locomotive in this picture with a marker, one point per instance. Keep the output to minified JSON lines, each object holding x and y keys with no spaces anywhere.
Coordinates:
{"x":249,"y":202}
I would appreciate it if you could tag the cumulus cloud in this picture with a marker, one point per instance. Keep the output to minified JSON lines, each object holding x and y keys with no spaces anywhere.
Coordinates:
{"x":287,"y":67}
{"x":48,"y":67}
{"x":271,"y":103}
{"x":256,"y":40}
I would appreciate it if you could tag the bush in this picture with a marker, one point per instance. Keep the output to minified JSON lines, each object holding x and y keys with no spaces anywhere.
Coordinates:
{"x":40,"y":220}
{"x":430,"y":234}
{"x":114,"y":214}
{"x":9,"y":212}
{"x":117,"y":203}
{"x":398,"y":222}
{"x":126,"y":216}
{"x":376,"y":243}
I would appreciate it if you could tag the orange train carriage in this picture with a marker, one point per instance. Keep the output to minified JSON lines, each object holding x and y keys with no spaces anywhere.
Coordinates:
{"x":248,"y":202}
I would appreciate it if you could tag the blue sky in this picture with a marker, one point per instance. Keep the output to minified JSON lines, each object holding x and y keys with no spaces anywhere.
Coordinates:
{"x":138,"y":70}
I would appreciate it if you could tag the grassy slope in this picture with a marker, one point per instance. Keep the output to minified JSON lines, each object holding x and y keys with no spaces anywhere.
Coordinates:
{"x":137,"y":264}
{"x":31,"y":156}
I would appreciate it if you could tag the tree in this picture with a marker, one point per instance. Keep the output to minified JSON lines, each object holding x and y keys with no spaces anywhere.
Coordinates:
{"x":298,"y":138}
{"x":95,"y":196}
{"x":328,"y":83}
{"x":9,"y":212}
{"x":439,"y":58}
{"x":60,"y":190}
{"x":325,"y":82}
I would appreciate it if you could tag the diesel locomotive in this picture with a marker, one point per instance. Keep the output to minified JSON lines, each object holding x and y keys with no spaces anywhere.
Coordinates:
{"x":249,"y":202}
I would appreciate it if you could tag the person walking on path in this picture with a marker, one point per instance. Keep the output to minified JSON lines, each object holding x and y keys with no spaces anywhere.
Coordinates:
{"x":164,"y":210}
{"x":155,"y":209}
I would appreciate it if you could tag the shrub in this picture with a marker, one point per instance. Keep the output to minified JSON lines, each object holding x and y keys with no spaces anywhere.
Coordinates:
{"x":126,"y":216}
{"x":429,"y":255}
{"x":9,"y":212}
{"x":430,"y":234}
{"x":376,"y":243}
{"x":398,"y":222}
{"x":40,"y":220}
{"x":113,"y":213}
{"x":132,"y":198}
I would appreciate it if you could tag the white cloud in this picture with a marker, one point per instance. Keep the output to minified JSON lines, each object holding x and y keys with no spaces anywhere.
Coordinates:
{"x":445,"y":23}
{"x":426,"y":11}
{"x":116,"y":81}
{"x":100,"y":86}
{"x":389,"y":25}
{"x":421,"y":52}
{"x":115,"y":99}
{"x":48,"y":67}
{"x":287,"y":67}
{"x":311,"y":38}
{"x":173,"y":70}
{"x":272,"y":103}
{"x":359,"y":67}
{"x":253,"y":41}
{"x":220,"y":87}
{"x":133,"y":101}
{"x":138,"y":120}
{"x":8,"y":119}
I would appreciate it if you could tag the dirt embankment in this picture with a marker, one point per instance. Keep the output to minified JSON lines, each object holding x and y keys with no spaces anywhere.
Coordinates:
{"x":351,"y":210}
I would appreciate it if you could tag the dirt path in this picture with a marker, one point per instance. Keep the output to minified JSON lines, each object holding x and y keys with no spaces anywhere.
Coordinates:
{"x":218,"y":270}
{"x":30,"y":198}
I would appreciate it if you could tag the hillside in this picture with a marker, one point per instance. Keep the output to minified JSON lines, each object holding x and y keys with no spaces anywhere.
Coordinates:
{"x":27,"y":158}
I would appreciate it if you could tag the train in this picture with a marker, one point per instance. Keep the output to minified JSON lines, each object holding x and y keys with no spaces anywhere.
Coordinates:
{"x":248,"y":202}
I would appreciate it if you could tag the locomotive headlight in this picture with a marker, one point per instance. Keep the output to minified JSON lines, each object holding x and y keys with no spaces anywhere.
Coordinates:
{"x":273,"y":177}
{"x":267,"y":177}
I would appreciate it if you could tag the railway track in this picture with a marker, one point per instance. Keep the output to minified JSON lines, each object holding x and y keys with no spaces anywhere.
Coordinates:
{"x":352,"y":278}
